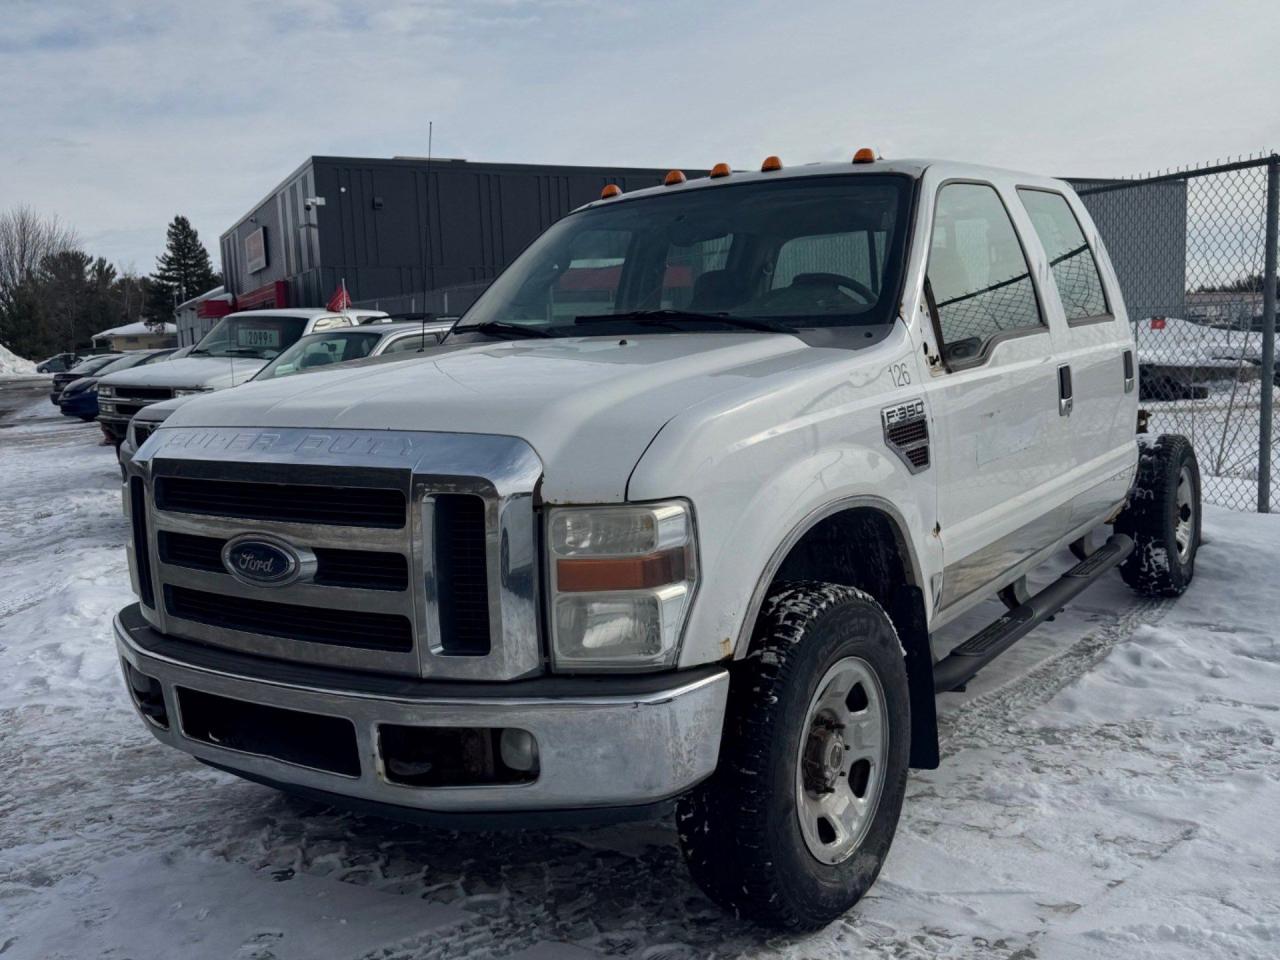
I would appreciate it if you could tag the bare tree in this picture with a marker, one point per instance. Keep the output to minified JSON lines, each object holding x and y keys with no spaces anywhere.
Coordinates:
{"x":26,"y":238}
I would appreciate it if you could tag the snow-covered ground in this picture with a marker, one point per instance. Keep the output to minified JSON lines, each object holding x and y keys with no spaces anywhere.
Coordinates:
{"x":1109,"y":788}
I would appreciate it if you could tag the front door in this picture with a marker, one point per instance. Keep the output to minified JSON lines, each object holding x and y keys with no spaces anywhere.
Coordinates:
{"x":994,"y":395}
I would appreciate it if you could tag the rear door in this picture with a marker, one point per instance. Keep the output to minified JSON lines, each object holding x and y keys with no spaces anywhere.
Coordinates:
{"x":1093,"y":342}
{"x":994,"y":393}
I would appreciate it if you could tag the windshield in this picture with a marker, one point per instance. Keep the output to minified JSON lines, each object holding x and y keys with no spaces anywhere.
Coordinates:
{"x":321,"y":350}
{"x":803,"y":252}
{"x":259,"y":337}
{"x":94,"y":364}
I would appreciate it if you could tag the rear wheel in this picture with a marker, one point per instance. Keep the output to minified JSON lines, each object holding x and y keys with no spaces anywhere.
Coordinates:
{"x":1163,"y":518}
{"x":795,"y":824}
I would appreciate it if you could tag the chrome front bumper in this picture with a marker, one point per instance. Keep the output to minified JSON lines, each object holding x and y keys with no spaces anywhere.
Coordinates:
{"x":614,"y":742}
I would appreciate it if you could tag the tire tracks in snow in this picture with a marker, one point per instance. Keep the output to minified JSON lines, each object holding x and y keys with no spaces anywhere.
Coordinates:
{"x":972,"y":723}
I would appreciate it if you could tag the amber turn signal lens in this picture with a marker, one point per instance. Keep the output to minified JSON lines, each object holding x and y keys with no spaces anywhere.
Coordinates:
{"x":770,"y":164}
{"x":594,"y":574}
{"x":674,"y":177}
{"x":610,"y":191}
{"x":720,"y":170}
{"x":865,"y":155}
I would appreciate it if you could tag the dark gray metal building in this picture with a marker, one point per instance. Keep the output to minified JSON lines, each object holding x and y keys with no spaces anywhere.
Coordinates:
{"x":1145,"y":229}
{"x":407,"y":233}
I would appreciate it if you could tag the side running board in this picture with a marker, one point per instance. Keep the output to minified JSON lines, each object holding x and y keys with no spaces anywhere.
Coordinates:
{"x":959,"y":666}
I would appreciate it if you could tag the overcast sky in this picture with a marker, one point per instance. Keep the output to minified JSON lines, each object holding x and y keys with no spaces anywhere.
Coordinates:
{"x":117,"y":115}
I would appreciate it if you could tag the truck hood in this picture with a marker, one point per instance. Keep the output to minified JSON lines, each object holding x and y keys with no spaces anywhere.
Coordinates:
{"x":589,"y":406}
{"x":189,"y":373}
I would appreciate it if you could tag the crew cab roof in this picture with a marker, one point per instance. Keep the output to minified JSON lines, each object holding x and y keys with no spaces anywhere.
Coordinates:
{"x":913,"y":168}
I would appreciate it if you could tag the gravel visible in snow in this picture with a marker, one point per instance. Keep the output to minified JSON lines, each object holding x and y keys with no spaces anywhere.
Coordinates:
{"x":1108,"y":789}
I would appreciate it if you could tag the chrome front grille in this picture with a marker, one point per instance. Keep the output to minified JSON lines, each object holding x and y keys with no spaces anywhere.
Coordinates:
{"x":423,"y":543}
{"x":122,"y":402}
{"x":149,"y":394}
{"x":335,"y":568}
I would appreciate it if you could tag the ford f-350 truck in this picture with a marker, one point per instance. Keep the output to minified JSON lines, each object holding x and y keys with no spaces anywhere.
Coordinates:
{"x":673,"y":514}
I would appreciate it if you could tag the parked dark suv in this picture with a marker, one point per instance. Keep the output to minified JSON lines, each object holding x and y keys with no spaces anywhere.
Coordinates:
{"x":86,"y":367}
{"x":58,"y":363}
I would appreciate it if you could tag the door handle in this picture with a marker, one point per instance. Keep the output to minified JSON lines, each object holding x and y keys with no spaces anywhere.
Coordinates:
{"x":1066,"y":398}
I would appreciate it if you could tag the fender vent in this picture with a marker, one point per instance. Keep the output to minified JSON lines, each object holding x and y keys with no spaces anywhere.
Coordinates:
{"x":906,"y":431}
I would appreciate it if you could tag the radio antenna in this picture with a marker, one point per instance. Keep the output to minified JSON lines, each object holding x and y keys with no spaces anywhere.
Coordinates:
{"x":427,"y":266}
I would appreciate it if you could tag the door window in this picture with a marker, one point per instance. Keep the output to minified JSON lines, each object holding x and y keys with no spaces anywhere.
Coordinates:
{"x":1075,"y":272}
{"x":978,"y":273}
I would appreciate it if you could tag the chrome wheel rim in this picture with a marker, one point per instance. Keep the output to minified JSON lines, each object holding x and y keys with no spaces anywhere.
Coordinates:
{"x":1184,"y":521}
{"x":841,"y":760}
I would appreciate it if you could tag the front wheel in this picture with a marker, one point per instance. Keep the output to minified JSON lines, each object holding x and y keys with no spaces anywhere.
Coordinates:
{"x":793,"y":827}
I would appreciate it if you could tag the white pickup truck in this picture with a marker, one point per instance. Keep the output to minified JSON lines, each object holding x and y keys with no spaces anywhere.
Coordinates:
{"x":673,"y":514}
{"x":237,"y":347}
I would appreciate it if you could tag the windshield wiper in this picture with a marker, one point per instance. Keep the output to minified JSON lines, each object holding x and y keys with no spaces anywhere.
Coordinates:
{"x":502,"y":328}
{"x":669,"y":317}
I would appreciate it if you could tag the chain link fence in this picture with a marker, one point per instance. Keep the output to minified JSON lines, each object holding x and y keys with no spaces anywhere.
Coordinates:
{"x":1195,"y":252}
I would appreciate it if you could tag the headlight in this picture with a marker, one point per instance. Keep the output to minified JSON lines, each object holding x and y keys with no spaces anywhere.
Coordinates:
{"x":106,"y":391}
{"x":190,"y":393}
{"x":622,"y":578}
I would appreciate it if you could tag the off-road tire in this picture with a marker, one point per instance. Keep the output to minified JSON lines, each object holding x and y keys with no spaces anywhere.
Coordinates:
{"x":740,"y":830}
{"x":1156,"y":568}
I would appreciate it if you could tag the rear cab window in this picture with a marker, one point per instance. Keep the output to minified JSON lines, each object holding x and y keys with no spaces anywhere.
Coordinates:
{"x":1074,"y":267}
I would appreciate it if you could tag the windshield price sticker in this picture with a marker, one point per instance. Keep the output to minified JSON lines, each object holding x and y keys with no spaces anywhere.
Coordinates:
{"x":257,"y":337}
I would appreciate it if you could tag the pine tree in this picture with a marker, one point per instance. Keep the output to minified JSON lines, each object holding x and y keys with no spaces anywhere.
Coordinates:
{"x":183,"y":271}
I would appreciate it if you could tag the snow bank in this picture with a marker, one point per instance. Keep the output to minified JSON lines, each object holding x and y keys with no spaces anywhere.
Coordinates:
{"x":13,"y":365}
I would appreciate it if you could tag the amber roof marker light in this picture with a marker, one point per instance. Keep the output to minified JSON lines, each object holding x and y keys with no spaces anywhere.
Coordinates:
{"x":719,"y":170}
{"x":770,"y":164}
{"x":864,"y":155}
{"x":674,"y":177}
{"x":610,"y":191}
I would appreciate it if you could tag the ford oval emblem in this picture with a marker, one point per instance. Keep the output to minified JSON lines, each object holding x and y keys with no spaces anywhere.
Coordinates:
{"x":265,"y":562}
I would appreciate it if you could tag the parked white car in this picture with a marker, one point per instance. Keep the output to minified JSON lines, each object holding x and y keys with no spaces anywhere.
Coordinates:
{"x":315,"y":351}
{"x":673,"y":514}
{"x":232,"y":352}
{"x":1179,"y":358}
